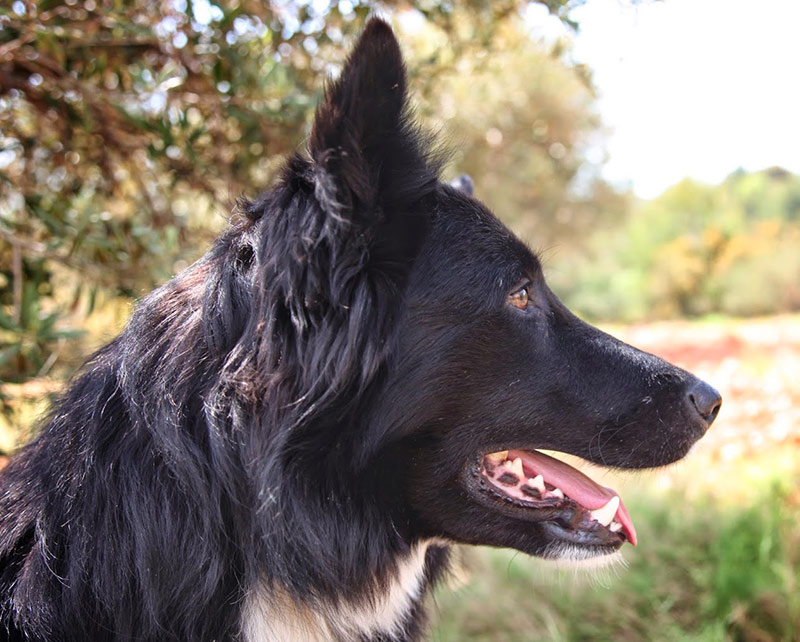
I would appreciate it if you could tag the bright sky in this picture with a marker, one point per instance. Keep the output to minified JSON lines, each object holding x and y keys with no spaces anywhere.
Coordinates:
{"x":694,"y":87}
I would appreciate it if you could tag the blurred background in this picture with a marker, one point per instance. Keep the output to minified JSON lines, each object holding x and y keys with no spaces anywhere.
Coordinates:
{"x":649,"y":150}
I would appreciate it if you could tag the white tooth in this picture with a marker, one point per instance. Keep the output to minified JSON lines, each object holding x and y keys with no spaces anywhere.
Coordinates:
{"x":558,"y":493}
{"x":605,"y":514}
{"x":615,"y":527}
{"x":516,"y":468}
{"x":537,"y":483}
{"x":498,"y":457}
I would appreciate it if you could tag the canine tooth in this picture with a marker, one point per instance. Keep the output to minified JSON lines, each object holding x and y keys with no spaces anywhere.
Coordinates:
{"x":605,"y":514}
{"x":497,"y":458}
{"x":537,"y":483}
{"x":615,"y":526}
{"x":516,"y":468}
{"x":558,"y":493}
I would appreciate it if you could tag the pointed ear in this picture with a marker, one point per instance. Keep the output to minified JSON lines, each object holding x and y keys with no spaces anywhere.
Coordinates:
{"x":365,"y":150}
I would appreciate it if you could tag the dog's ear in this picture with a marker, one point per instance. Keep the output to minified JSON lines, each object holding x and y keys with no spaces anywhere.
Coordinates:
{"x":464,"y":184}
{"x":355,"y":216}
{"x":365,"y":150}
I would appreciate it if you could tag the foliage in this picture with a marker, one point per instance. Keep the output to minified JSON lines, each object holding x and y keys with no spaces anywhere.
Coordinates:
{"x":126,"y":128}
{"x":29,"y":333}
{"x":522,"y":121}
{"x":696,"y":249}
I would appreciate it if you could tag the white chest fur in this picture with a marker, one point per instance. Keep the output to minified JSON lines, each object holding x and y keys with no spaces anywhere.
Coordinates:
{"x":270,"y":616}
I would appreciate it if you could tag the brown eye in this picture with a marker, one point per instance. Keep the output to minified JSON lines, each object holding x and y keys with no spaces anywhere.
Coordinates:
{"x":519,"y":299}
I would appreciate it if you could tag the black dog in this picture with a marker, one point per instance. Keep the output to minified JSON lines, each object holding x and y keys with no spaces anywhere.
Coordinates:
{"x":287,"y":435}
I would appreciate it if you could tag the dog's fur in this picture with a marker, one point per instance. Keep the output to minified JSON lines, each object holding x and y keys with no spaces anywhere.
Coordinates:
{"x":277,"y":446}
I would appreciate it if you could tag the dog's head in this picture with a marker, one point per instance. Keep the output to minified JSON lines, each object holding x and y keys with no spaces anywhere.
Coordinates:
{"x":414,"y":338}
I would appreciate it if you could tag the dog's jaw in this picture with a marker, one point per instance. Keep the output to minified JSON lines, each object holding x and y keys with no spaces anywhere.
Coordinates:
{"x":545,"y":482}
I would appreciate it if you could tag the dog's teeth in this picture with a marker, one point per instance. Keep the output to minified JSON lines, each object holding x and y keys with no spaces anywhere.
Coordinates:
{"x":615,"y":526}
{"x":509,"y":469}
{"x":605,"y":514}
{"x":516,"y":468}
{"x":537,"y":483}
{"x":557,"y":492}
{"x":497,"y":458}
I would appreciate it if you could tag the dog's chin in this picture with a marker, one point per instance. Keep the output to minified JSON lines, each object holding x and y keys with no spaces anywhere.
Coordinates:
{"x":544,"y":507}
{"x":578,"y":558}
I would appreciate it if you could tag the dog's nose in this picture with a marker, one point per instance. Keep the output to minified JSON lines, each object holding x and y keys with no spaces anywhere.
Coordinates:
{"x":706,"y":401}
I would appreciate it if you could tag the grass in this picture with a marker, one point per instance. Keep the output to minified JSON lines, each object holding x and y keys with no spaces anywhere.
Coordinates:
{"x":705,"y":570}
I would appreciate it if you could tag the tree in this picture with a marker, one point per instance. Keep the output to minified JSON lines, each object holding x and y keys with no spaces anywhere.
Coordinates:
{"x":697,"y":249}
{"x":522,"y":119}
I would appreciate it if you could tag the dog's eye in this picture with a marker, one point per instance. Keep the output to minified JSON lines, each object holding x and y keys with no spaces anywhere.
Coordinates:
{"x":519,"y":298}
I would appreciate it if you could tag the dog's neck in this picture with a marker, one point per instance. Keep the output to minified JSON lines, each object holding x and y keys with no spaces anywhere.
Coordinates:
{"x":270,"y":615}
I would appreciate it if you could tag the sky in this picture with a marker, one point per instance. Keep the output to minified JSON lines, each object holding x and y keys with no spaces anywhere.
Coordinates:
{"x":694,"y":88}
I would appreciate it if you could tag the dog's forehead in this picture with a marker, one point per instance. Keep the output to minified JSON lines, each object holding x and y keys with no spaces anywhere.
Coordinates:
{"x":471,"y":225}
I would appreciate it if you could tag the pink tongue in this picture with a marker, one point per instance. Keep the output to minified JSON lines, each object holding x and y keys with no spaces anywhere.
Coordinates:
{"x":575,"y":485}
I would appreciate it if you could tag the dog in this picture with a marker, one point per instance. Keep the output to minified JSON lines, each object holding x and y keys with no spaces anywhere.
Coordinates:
{"x":288,"y":436}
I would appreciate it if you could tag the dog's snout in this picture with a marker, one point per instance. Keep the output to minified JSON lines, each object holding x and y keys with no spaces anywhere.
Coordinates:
{"x":706,"y":400}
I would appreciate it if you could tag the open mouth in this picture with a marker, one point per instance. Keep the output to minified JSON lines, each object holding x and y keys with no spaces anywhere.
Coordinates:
{"x":530,"y":480}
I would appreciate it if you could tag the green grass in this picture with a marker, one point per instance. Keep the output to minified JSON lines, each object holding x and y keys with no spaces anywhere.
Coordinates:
{"x":704,"y":570}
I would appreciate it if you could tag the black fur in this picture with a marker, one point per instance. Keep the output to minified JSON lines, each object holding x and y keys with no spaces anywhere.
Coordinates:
{"x":298,"y":408}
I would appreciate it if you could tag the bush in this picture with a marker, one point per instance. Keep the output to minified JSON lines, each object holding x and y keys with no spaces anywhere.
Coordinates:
{"x":695,"y":250}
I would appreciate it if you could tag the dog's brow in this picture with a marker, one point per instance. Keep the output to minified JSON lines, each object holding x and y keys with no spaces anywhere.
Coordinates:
{"x":531,"y":263}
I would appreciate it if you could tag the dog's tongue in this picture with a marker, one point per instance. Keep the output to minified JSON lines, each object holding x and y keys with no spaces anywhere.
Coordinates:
{"x":574,"y":484}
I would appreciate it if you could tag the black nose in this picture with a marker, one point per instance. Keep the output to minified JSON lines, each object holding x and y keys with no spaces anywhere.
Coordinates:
{"x":706,"y":400}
